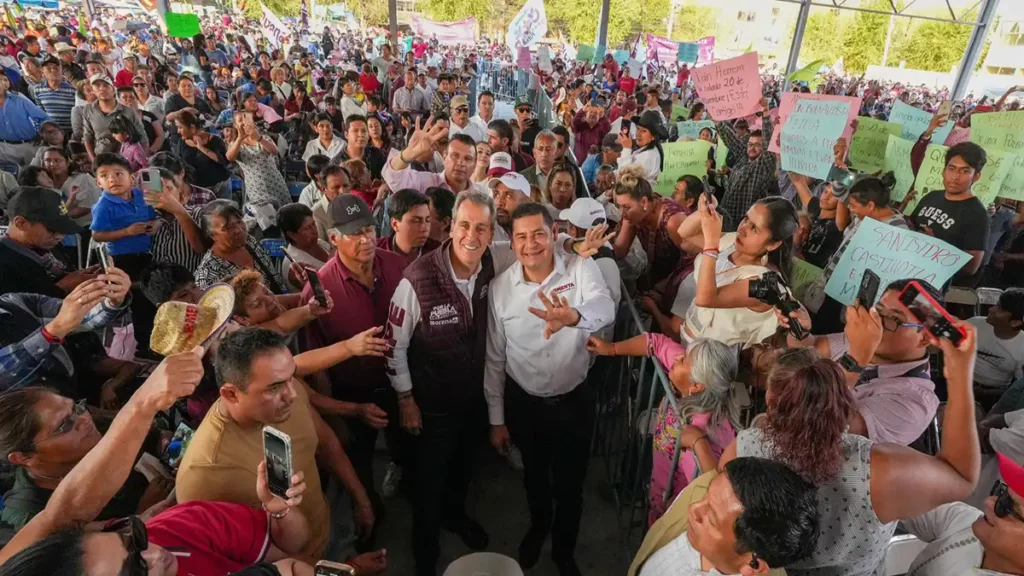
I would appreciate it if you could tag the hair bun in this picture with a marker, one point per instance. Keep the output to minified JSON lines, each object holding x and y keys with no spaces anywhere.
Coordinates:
{"x":888,"y":179}
{"x":630,"y":176}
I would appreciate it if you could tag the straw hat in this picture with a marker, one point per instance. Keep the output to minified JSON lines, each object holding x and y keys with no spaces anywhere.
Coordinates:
{"x":179,"y":326}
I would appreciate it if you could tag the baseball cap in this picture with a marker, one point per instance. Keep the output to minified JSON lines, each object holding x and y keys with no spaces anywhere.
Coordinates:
{"x":349,"y":213}
{"x":513,"y":180}
{"x":501,"y":163}
{"x":127,"y":54}
{"x":1012,"y":473}
{"x":523,"y":101}
{"x":42,"y":206}
{"x":611,"y":141}
{"x":459,"y":101}
{"x":50,"y":60}
{"x":583,"y":213}
{"x":100,"y":78}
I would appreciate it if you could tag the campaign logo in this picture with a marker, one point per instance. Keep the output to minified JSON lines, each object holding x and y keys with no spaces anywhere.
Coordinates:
{"x":443,"y":314}
{"x":564,"y":288}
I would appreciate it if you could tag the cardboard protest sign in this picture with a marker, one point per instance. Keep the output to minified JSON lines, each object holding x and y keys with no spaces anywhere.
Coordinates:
{"x":691,"y":128}
{"x":523,"y":57}
{"x":995,"y":172}
{"x":679,"y":111}
{"x":929,"y":176}
{"x":867,"y":148}
{"x":957,"y":135}
{"x":182,"y":25}
{"x":789,"y":100}
{"x":809,"y":135}
{"x":599,"y":52}
{"x":682,"y":158}
{"x":897,"y":159}
{"x":721,"y":154}
{"x":729,"y":88}
{"x":584,"y":53}
{"x":894,"y":254}
{"x":915,"y":121}
{"x":621,"y":56}
{"x":1003,"y":131}
{"x":688,"y":51}
{"x":804,"y":274}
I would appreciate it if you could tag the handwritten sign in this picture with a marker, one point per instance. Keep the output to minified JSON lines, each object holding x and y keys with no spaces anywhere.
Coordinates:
{"x":584,"y":53}
{"x":621,"y":56}
{"x":789,"y":100}
{"x":1003,"y":131}
{"x":682,"y":158}
{"x":867,"y":148}
{"x":897,"y":159}
{"x":599,"y":52}
{"x":894,"y":254}
{"x":688,"y":51}
{"x":182,"y":25}
{"x":691,"y":128}
{"x":729,"y":88}
{"x":915,"y":121}
{"x":523,"y":57}
{"x":993,"y":175}
{"x":958,"y":135}
{"x":679,"y":111}
{"x":809,"y":135}
{"x":929,"y":176}
{"x":804,"y":274}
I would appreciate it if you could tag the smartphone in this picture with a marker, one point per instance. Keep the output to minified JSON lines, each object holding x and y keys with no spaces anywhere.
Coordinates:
{"x":843,"y":177}
{"x":627,"y":126}
{"x":325,"y":568}
{"x":868,"y":290}
{"x":104,"y":251}
{"x":175,"y":450}
{"x":317,"y":286}
{"x":945,"y":108}
{"x":930,"y":313}
{"x":277,"y":451}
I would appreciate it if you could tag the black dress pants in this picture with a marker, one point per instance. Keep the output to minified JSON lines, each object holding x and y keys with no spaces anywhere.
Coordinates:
{"x":553,"y":434}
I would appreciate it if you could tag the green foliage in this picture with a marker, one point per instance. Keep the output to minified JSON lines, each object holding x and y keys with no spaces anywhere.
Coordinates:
{"x":824,"y":27}
{"x":695,"y":22}
{"x":577,"y":19}
{"x":454,"y":10}
{"x":282,"y":8}
{"x":935,"y":46}
{"x":370,"y":12}
{"x":863,"y":41}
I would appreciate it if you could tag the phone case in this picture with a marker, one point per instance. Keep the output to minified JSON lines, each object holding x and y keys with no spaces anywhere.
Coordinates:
{"x":945,"y":328}
{"x":279,"y":470}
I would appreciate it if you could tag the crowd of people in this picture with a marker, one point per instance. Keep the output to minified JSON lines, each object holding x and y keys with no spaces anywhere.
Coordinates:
{"x":338,"y":238}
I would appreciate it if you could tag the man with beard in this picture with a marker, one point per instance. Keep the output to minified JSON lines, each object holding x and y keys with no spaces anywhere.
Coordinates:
{"x":509,"y":191}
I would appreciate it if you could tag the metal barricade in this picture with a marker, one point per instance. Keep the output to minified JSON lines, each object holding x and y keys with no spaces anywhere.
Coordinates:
{"x":502,"y":81}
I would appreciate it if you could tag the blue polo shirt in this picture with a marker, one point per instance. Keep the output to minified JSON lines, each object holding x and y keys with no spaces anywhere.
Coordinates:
{"x":114,"y":213}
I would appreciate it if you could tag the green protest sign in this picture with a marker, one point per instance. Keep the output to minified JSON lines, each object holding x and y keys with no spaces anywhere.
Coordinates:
{"x":995,"y":172}
{"x":679,"y":111}
{"x":897,"y":159}
{"x":599,"y":52}
{"x":804,"y":274}
{"x":585,"y":53}
{"x":691,"y":128}
{"x":867,"y":147}
{"x":682,"y":158}
{"x":182,"y":25}
{"x":929,"y":176}
{"x":1003,"y":131}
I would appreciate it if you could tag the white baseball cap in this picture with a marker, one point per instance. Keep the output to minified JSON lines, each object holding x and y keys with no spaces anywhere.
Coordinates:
{"x":501,"y":163}
{"x":513,"y":180}
{"x":583,"y":213}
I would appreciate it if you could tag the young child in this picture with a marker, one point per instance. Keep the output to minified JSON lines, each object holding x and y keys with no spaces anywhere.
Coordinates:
{"x":121,"y":217}
{"x":125,"y":132}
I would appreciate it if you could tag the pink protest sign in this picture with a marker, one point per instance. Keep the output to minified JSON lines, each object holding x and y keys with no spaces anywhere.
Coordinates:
{"x":729,"y":88}
{"x":786,"y":108}
{"x":461,"y":32}
{"x":957,"y":136}
{"x":666,"y":50}
{"x":523,"y":57}
{"x":706,"y":50}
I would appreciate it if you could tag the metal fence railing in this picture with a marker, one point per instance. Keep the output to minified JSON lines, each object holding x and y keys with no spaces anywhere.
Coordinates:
{"x":503,"y":81}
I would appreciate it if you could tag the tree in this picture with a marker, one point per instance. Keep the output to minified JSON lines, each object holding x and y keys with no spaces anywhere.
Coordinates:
{"x":577,"y":19}
{"x":695,"y":22}
{"x":864,"y":40}
{"x":823,"y":28}
{"x":282,"y":8}
{"x":455,"y":10}
{"x":371,"y":12}
{"x":935,"y":46}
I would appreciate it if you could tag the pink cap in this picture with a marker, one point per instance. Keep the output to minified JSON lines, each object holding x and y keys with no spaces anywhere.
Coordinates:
{"x":1012,"y":473}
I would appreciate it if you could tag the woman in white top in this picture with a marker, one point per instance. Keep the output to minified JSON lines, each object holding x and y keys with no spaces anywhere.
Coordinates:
{"x":650,"y":131}
{"x":722,"y":307}
{"x":327,"y":143}
{"x":279,"y":82}
{"x":304,"y":247}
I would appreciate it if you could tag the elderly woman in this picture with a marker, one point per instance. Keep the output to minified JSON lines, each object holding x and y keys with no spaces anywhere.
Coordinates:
{"x":561,"y":186}
{"x":231,"y":248}
{"x":305,"y":247}
{"x":84,"y":96}
{"x":707,"y":418}
{"x":280,"y":86}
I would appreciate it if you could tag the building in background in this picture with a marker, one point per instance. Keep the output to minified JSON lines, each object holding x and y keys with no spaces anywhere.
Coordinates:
{"x":1006,"y":53}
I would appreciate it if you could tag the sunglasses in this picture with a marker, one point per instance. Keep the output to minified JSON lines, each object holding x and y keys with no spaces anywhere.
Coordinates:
{"x":68,"y":424}
{"x":132,"y":531}
{"x":1004,"y":503}
{"x":523,"y":109}
{"x":137,"y":84}
{"x":463,"y":109}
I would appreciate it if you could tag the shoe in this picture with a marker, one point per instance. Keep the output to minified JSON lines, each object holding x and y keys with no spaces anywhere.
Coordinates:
{"x":392,"y":480}
{"x":515,"y":459}
{"x":529,"y":548}
{"x":567,"y":567}
{"x":471,"y":533}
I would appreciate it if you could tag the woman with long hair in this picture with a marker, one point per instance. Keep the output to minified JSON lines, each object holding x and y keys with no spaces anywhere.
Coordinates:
{"x":560,"y":188}
{"x":650,"y":131}
{"x":379,"y":137}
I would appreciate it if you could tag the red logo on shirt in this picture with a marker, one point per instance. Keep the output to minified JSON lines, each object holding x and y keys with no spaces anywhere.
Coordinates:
{"x":564,"y":288}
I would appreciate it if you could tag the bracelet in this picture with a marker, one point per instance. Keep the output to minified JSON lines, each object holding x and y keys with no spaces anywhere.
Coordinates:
{"x":50,"y":337}
{"x":279,"y":515}
{"x":710,"y":254}
{"x":402,"y":158}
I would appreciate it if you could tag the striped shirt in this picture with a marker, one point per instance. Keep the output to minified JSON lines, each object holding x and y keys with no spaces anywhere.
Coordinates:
{"x":170,"y":243}
{"x":57,"y":102}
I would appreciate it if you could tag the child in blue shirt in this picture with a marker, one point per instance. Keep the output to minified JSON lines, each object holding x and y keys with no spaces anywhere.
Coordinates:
{"x":121,"y":217}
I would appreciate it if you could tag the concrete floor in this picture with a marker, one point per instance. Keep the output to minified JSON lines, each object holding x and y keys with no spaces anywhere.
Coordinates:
{"x":498,"y":501}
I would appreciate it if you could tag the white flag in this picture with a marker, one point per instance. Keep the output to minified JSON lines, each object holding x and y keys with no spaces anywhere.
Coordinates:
{"x":273,"y":28}
{"x":529,"y":25}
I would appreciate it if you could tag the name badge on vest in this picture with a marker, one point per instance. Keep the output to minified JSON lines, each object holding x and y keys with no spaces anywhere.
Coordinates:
{"x":443,"y":314}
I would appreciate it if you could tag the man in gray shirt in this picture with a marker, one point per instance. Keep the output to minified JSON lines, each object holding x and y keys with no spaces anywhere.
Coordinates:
{"x":409,"y":98}
{"x":97,"y":116}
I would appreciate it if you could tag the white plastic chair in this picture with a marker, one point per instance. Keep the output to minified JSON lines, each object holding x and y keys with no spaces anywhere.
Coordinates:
{"x":484,"y":564}
{"x":903,"y":549}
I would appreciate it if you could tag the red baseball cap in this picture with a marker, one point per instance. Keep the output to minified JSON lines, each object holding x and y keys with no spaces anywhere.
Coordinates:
{"x":1012,"y":473}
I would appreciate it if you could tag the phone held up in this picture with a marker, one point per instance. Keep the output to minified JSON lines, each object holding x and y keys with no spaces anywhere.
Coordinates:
{"x":326,"y":568}
{"x":317,"y":286}
{"x":930,"y":314}
{"x":868,"y":290}
{"x":277,"y":451}
{"x":152,"y":185}
{"x":105,"y":259}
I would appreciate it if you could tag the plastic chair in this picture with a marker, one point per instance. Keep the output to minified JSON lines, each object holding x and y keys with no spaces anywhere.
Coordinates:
{"x":10,"y":167}
{"x":903,"y":549}
{"x":484,"y":564}
{"x":295,"y":188}
{"x":962,"y":302}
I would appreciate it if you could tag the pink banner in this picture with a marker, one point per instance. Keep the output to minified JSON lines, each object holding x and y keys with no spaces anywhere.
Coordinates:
{"x":707,"y":50}
{"x":667,"y":50}
{"x":729,"y":88}
{"x":461,"y":32}
{"x":789,"y":100}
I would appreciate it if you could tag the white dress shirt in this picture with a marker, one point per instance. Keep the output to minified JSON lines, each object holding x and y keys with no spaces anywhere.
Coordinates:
{"x":471,"y":130}
{"x":677,"y":558}
{"x":315,"y":146}
{"x":953,"y":549}
{"x":515,"y":337}
{"x":481,"y":124}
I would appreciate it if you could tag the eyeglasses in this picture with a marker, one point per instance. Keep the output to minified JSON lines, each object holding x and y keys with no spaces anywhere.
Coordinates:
{"x":463,"y":109}
{"x":523,"y":109}
{"x":1004,"y":503}
{"x":68,"y":424}
{"x":892,"y":324}
{"x":132,"y":531}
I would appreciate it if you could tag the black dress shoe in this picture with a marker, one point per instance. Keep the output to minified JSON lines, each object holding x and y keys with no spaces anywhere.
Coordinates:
{"x":529,"y":548}
{"x":567,"y":567}
{"x":472,"y":534}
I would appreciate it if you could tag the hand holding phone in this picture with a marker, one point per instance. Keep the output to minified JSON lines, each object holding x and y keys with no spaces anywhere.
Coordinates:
{"x":868,"y":290}
{"x":939,"y":323}
{"x":317,"y":287}
{"x":277,"y":454}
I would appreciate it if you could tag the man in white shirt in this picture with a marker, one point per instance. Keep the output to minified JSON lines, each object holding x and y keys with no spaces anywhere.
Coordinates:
{"x":534,"y":383}
{"x":964,"y":540}
{"x":484,"y":110}
{"x":460,"y":124}
{"x":1000,"y":346}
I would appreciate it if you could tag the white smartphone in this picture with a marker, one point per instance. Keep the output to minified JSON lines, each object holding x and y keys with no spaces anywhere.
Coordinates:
{"x":277,"y":451}
{"x":151,"y":184}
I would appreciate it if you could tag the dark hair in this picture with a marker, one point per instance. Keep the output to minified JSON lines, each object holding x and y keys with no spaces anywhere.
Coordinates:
{"x":527,"y":209}
{"x":559,"y":168}
{"x":160,"y":280}
{"x":485,"y":93}
{"x":443,"y":201}
{"x":563,"y":132}
{"x":29,"y":175}
{"x":465,"y":139}
{"x":169,"y":161}
{"x":120,"y":124}
{"x":19,"y":423}
{"x":322,"y":117}
{"x":971,"y":153}
{"x":695,"y":111}
{"x":899,"y":285}
{"x":779,"y":523}
{"x":354,"y":118}
{"x":375,"y":100}
{"x":756,"y":134}
{"x":1012,"y":300}
{"x":503,"y":129}
{"x":694,"y":187}
{"x":126,"y":90}
{"x":404,"y":200}
{"x":111,"y":159}
{"x":782,"y":223}
{"x":333,"y":170}
{"x":290,"y":218}
{"x":877,"y":189}
{"x":238,"y":350}
{"x":315,"y":165}
{"x":809,"y":407}
{"x":188,"y":119}
{"x":222,"y":208}
{"x":59,"y":554}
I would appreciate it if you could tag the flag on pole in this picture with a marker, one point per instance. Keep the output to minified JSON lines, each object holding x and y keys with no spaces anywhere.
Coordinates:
{"x":807,"y":73}
{"x":304,"y":15}
{"x":273,"y":28}
{"x":637,"y":46}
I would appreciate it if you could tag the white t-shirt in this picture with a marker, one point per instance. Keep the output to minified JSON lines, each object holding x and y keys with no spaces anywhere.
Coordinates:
{"x":952,"y":549}
{"x":999,"y":361}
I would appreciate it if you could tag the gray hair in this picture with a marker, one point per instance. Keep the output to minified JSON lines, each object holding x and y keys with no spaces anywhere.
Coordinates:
{"x":715,"y":365}
{"x":222,"y":208}
{"x":547,"y":134}
{"x":477,"y":197}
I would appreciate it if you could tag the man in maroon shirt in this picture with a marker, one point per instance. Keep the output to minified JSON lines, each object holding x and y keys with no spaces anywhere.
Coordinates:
{"x":409,"y":210}
{"x":361,"y":279}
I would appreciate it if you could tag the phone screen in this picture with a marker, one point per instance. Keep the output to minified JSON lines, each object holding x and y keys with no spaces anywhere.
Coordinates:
{"x":318,"y":288}
{"x":944,"y":108}
{"x":843,"y":177}
{"x":104,"y":251}
{"x":277,"y":452}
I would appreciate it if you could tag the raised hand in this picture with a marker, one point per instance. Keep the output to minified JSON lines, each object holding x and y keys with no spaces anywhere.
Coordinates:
{"x":366,"y":343}
{"x":557,"y":313}
{"x":593,"y":240}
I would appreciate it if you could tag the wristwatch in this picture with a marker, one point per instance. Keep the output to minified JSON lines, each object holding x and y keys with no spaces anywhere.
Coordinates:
{"x":849,"y":363}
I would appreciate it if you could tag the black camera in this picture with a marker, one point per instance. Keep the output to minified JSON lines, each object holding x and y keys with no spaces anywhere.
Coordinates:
{"x":772,"y":290}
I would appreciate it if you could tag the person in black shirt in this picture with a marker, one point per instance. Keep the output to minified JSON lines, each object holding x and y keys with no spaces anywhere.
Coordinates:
{"x":154,"y":127}
{"x":204,"y":152}
{"x":955,"y":215}
{"x":186,"y":99}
